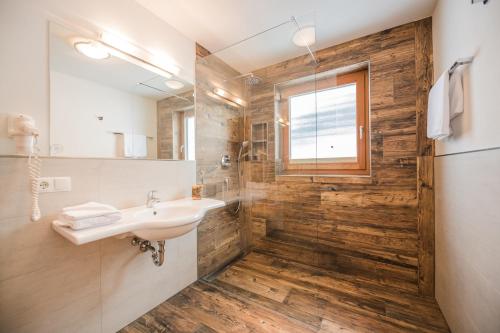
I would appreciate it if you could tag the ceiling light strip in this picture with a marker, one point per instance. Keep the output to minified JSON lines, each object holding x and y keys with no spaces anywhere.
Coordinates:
{"x":141,"y":62}
{"x":229,"y":97}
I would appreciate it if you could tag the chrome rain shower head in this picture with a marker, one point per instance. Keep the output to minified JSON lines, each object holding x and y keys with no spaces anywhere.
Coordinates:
{"x":250,"y":79}
{"x":253,"y":80}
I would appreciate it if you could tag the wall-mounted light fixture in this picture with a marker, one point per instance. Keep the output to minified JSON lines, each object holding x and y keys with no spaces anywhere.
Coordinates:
{"x":92,"y":49}
{"x":101,"y":50}
{"x":173,"y":84}
{"x":217,"y":97}
{"x":229,"y":97}
{"x":103,"y":44}
{"x":127,"y":51}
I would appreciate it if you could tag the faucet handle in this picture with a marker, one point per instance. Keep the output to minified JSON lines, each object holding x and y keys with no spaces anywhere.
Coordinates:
{"x":152,"y":194}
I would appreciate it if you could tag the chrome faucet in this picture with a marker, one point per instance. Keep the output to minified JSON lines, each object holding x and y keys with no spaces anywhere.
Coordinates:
{"x":152,"y":199}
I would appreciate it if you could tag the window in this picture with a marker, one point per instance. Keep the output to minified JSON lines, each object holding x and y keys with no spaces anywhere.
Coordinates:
{"x":325,"y":126}
{"x":189,"y":138}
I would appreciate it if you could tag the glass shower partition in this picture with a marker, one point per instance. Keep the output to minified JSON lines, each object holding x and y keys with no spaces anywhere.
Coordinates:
{"x":246,"y":92}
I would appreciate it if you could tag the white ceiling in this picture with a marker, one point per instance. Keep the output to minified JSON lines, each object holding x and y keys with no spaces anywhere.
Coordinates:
{"x":217,"y":24}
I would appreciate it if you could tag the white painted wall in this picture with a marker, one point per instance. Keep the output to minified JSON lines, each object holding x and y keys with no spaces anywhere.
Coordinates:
{"x":24,"y":56}
{"x":48,"y":284}
{"x":76,"y":102}
{"x":468,"y":184}
{"x":461,"y":30}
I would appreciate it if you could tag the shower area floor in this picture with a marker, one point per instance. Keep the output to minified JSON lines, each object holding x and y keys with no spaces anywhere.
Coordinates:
{"x":263,"y":293}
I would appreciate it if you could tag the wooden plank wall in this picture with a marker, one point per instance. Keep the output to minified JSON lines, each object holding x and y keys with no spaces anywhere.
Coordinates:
{"x":219,"y":131}
{"x":219,"y":239}
{"x":425,"y":158}
{"x":379,"y":226}
{"x":167,"y":132}
{"x":219,"y":126}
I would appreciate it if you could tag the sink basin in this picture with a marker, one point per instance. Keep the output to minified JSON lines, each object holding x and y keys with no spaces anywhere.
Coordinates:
{"x":168,"y":219}
{"x":167,"y":222}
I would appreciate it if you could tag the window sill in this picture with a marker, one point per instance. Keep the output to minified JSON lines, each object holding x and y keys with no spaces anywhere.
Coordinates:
{"x":326,"y":178}
{"x":327,"y":172}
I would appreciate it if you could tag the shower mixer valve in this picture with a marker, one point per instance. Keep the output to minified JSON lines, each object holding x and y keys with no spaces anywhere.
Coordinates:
{"x":225,"y":161}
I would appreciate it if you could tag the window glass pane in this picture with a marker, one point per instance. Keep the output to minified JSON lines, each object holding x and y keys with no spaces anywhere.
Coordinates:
{"x":328,"y":134}
{"x":190,"y":138}
{"x":337,"y":123}
{"x":303,"y":127}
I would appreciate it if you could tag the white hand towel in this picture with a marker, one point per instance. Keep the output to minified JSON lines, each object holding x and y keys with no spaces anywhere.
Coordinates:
{"x":91,"y":205}
{"x":456,"y":92}
{"x":438,"y":113}
{"x":88,"y":210}
{"x":90,"y":222}
{"x":140,"y":145}
{"x":135,"y":145}
{"x":128,"y":145}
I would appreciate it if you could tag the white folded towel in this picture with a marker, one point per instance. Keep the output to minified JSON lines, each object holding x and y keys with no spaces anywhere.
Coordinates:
{"x":446,"y":101}
{"x":140,"y":145}
{"x":91,"y":222}
{"x":128,"y":145}
{"x":91,"y":205}
{"x":438,"y":113}
{"x":135,"y":145}
{"x":88,"y":210}
{"x":456,"y":92}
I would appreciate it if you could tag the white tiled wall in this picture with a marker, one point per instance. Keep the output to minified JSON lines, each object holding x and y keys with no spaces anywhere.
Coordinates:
{"x":468,"y":184}
{"x":468,"y":240}
{"x":47,"y":284}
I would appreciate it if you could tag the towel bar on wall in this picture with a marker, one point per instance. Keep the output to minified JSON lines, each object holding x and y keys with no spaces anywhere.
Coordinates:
{"x":460,"y":62}
{"x":469,"y":151}
{"x":121,"y":133}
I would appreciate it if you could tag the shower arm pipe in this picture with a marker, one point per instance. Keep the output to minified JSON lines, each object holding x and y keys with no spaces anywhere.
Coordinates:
{"x":241,"y":76}
{"x":250,"y":37}
{"x":294,"y":20}
{"x":163,"y":91}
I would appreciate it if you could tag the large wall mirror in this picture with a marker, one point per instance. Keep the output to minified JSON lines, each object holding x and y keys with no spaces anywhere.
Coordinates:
{"x":107,"y":103}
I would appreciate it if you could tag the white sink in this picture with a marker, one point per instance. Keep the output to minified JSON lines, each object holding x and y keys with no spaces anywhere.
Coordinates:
{"x":166,"y":220}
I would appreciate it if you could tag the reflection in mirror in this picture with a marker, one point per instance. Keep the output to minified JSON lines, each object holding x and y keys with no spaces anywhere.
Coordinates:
{"x":109,"y":104}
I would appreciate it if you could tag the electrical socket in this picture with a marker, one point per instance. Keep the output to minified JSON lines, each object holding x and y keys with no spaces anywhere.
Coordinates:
{"x":45,"y":184}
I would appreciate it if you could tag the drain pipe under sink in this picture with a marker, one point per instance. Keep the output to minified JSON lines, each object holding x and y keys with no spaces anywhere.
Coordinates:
{"x":158,"y":256}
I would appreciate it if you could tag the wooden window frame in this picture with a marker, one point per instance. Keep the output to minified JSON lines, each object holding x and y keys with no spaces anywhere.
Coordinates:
{"x":362,"y":165}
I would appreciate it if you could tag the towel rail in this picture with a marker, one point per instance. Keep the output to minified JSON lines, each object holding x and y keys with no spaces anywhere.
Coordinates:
{"x":469,"y":151}
{"x":121,"y":133}
{"x":460,"y":62}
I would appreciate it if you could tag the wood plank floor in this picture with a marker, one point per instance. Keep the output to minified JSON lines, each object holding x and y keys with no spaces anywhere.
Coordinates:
{"x":263,"y":293}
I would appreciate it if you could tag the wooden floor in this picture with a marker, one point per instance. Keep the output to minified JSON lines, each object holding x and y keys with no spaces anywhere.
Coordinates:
{"x":262,"y":293}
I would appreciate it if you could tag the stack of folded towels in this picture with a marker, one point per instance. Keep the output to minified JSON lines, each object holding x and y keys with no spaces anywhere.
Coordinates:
{"x":89,"y":215}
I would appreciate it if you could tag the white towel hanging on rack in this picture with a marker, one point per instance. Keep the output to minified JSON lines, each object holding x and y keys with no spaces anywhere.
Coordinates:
{"x":456,"y":92}
{"x":446,"y":100}
{"x":438,"y":113}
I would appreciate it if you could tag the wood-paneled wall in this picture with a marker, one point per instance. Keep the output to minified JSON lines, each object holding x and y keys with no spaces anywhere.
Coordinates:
{"x":380,"y":225}
{"x":219,"y":131}
{"x":168,"y":123}
{"x":219,"y":239}
{"x":219,"y":126}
